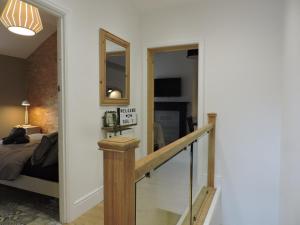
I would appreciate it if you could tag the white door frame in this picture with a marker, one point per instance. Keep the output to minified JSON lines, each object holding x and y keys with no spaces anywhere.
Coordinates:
{"x":202,"y":103}
{"x":61,"y":13}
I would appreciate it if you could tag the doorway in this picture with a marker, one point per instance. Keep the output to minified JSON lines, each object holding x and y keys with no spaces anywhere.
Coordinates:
{"x":172,"y":94}
{"x":36,"y":183}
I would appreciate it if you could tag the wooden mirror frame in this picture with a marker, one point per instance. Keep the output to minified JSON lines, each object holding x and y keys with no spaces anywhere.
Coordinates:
{"x":104,"y":100}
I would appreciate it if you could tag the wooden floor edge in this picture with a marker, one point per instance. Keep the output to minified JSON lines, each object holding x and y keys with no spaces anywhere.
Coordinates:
{"x":205,"y":207}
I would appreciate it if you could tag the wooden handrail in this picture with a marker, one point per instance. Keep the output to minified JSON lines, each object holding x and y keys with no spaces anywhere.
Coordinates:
{"x":159,"y":157}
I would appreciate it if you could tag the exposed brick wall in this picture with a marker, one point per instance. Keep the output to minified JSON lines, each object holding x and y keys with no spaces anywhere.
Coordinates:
{"x":42,"y":86}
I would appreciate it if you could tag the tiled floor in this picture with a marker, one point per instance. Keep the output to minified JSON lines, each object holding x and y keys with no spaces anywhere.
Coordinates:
{"x":23,"y":207}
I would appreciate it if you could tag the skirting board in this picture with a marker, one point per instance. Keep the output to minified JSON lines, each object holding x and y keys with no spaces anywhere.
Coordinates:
{"x":85,"y":203}
{"x":33,"y":184}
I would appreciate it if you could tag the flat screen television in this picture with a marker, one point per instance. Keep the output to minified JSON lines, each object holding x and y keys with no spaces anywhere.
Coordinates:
{"x":167,"y":87}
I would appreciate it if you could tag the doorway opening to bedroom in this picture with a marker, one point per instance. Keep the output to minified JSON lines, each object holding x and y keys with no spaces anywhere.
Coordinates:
{"x":30,"y":114}
{"x":172,"y":94}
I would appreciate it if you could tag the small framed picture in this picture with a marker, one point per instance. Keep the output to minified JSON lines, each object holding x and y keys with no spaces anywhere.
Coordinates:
{"x":110,"y":119}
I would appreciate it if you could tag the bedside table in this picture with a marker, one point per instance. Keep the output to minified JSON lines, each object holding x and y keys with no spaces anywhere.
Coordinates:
{"x":30,"y":129}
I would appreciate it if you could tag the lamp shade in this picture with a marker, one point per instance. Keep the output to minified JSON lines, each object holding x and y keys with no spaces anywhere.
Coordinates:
{"x":25,"y":103}
{"x":21,"y":18}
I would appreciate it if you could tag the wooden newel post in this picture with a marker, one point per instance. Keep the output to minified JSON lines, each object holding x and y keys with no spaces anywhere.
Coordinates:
{"x":211,"y":151}
{"x":119,"y":180}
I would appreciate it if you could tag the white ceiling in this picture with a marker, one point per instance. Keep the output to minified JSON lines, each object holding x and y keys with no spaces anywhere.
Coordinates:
{"x":21,"y":46}
{"x":149,"y":5}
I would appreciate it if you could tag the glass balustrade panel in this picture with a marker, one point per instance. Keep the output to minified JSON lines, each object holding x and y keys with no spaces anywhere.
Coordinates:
{"x":163,"y":198}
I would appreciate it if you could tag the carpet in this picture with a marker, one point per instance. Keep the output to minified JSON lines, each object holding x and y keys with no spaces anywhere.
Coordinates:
{"x":18,"y":207}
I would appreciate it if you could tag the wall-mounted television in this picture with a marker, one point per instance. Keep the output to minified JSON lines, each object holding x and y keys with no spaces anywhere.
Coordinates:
{"x":167,"y":87}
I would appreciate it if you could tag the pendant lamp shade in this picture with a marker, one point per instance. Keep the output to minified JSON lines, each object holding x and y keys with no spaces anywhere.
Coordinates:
{"x":21,"y":18}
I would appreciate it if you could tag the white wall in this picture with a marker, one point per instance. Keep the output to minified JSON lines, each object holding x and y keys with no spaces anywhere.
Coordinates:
{"x":290,"y":166}
{"x":243,"y":67}
{"x":83,"y":113}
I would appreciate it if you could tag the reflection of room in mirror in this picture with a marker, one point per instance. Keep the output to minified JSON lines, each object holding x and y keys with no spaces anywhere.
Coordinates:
{"x":114,"y":93}
{"x":115,"y":70}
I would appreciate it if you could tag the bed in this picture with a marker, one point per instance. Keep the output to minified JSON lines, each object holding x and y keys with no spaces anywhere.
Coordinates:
{"x":17,"y":171}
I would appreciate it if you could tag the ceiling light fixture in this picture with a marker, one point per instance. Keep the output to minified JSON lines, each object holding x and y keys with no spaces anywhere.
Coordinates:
{"x":21,"y":18}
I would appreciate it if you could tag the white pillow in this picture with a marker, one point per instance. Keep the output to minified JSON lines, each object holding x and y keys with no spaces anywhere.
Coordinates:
{"x":36,"y":137}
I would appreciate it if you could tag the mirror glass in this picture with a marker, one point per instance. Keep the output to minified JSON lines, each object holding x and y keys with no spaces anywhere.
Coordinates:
{"x":115,"y":70}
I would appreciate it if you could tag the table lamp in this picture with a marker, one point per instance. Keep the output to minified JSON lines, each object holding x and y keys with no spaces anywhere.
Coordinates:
{"x":26,"y":104}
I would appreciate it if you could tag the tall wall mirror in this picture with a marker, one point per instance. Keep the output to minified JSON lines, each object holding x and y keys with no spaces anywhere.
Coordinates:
{"x":114,"y":70}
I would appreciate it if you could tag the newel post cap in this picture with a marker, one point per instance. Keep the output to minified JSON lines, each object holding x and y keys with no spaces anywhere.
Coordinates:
{"x":118,"y":144}
{"x":212,"y":117}
{"x":212,"y":114}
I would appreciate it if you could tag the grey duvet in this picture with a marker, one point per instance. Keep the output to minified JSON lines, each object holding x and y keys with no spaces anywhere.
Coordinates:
{"x":13,"y":158}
